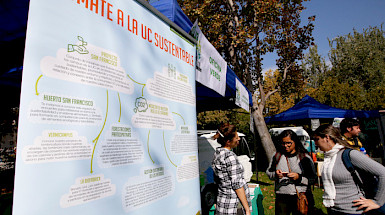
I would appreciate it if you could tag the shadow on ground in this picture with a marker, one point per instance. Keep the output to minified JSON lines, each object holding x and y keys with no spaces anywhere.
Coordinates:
{"x":318,"y":211}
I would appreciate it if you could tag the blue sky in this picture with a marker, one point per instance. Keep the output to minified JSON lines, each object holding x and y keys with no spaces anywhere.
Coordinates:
{"x":337,"y":18}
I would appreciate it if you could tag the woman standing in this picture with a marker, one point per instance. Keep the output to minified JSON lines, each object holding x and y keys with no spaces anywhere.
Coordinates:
{"x":293,"y":171}
{"x":342,"y":195}
{"x":232,"y":187}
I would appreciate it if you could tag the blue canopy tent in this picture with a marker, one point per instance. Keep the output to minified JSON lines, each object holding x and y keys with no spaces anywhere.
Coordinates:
{"x":309,"y":108}
{"x":13,"y":24}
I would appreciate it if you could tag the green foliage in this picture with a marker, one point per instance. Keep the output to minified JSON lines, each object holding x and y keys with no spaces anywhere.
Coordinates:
{"x":355,"y":80}
{"x":210,"y":120}
{"x":340,"y":94}
{"x":291,"y":38}
{"x":346,"y":96}
{"x":313,"y":67}
{"x":359,"y":58}
{"x":277,"y":102}
{"x":243,"y":31}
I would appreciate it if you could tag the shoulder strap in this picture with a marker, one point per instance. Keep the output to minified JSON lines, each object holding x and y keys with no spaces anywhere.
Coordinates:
{"x":346,"y":160}
{"x":277,"y":157}
{"x":349,"y":166}
{"x":301,"y":156}
{"x":288,"y":165}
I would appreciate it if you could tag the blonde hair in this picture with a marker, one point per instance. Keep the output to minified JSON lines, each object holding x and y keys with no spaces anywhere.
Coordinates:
{"x":333,"y":133}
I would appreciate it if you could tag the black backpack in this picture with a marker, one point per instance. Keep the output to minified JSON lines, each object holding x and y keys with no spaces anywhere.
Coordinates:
{"x":369,"y":188}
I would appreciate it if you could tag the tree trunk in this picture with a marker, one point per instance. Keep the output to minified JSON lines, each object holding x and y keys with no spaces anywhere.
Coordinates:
{"x":264,"y":135}
{"x":263,"y":132}
{"x":233,"y":24}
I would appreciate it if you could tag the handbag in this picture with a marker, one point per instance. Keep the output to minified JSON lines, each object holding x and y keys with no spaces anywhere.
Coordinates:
{"x":302,"y":202}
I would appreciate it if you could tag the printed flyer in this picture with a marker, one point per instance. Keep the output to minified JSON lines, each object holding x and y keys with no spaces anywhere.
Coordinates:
{"x":107,"y":119}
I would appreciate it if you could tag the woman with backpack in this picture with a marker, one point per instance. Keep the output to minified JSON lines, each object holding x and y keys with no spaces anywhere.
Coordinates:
{"x":293,"y":171}
{"x":343,"y":194}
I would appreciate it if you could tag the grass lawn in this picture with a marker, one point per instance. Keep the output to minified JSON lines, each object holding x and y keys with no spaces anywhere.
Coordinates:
{"x":267,"y":187}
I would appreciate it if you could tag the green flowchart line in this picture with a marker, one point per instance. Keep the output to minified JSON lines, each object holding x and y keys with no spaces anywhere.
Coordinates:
{"x":144,"y":85}
{"x":148,"y":146}
{"x":164,"y":143}
{"x":97,"y":138}
{"x":37,"y":81}
{"x":184,"y":123}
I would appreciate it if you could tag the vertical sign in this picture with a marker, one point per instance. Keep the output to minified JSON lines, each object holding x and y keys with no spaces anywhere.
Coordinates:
{"x":315,"y":123}
{"x":336,"y":123}
{"x":241,"y":96}
{"x":107,"y":113}
{"x":211,"y":67}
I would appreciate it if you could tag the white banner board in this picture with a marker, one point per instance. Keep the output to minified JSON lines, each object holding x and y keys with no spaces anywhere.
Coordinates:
{"x":211,"y":67}
{"x":241,"y":96}
{"x":107,"y":119}
{"x":315,"y":123}
{"x":337,"y":121}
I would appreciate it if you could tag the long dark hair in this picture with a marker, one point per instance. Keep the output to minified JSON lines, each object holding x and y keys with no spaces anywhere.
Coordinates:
{"x":293,"y":136}
{"x":225,"y":132}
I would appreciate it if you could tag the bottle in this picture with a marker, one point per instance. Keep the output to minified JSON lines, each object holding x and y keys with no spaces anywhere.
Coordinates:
{"x":363,"y":150}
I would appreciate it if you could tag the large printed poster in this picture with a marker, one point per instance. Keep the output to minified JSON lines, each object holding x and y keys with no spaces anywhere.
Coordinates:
{"x":107,"y":115}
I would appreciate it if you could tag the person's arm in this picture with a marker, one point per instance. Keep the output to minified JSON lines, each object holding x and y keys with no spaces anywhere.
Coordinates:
{"x":237,"y":180}
{"x":242,"y":197}
{"x":365,"y":204}
{"x":309,"y":175}
{"x":271,"y":170}
{"x":367,"y":164}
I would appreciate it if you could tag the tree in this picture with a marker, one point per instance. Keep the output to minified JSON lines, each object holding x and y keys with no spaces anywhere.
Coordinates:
{"x":277,"y":103}
{"x":339,"y":94}
{"x":314,"y":67}
{"x":355,"y":80}
{"x":283,"y":34}
{"x":359,"y":57}
{"x":209,"y":120}
{"x":348,"y":96}
{"x":243,"y":31}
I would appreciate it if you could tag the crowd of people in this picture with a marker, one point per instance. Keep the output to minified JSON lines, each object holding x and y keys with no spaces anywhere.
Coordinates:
{"x":344,"y":173}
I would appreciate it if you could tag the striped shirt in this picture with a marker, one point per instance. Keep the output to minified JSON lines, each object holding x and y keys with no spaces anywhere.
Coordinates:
{"x":346,"y":188}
